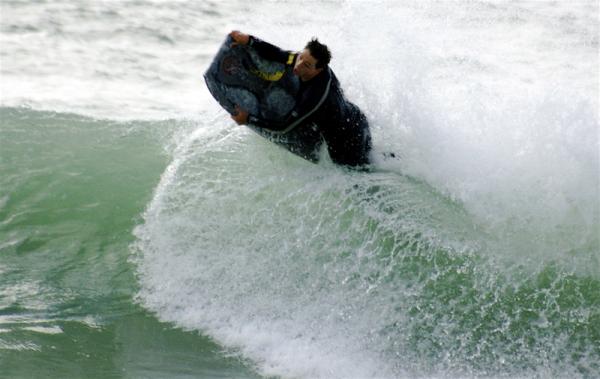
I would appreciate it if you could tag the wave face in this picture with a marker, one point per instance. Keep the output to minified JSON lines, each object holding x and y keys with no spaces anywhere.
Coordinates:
{"x":476,"y":254}
{"x":316,"y":272}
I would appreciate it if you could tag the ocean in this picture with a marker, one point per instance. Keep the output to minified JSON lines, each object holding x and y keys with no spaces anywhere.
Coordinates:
{"x":143,"y":234}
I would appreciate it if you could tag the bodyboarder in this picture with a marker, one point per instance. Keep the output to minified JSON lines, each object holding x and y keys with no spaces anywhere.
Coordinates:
{"x":320,"y":102}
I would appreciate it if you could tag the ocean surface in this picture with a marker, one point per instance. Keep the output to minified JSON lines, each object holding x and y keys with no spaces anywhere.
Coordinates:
{"x":145,"y":235}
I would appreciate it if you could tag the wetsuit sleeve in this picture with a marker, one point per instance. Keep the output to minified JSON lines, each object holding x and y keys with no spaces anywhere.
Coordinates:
{"x":271,"y":52}
{"x":309,"y":101}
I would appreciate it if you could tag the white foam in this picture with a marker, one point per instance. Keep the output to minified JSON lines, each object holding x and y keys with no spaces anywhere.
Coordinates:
{"x":45,"y":329}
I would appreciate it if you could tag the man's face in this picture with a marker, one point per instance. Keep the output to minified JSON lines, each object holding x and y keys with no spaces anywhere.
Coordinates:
{"x":305,"y":67}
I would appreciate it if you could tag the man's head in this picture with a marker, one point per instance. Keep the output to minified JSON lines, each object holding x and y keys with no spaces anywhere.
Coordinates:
{"x":312,"y":60}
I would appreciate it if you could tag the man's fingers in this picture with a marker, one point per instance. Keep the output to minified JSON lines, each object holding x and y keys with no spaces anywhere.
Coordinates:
{"x":239,"y":38}
{"x":240,"y":116}
{"x":233,"y":35}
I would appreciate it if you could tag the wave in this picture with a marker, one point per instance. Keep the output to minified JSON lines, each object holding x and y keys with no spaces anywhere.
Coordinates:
{"x":312,"y":271}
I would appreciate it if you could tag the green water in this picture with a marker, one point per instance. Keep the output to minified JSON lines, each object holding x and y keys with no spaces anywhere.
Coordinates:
{"x":71,"y":191}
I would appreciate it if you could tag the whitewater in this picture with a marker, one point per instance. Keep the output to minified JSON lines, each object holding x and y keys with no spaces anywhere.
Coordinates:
{"x":144,"y":234}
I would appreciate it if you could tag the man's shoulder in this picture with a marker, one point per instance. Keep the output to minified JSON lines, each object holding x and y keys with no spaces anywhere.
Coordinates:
{"x":330,"y":75}
{"x":323,"y":77}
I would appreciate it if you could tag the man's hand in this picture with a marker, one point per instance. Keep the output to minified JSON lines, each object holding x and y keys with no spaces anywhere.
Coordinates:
{"x":240,"y":116}
{"x":239,"y":38}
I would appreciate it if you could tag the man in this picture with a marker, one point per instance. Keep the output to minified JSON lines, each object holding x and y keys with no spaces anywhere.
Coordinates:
{"x":320,"y":101}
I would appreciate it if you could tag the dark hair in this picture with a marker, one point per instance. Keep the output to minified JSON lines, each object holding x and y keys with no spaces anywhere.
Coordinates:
{"x":320,"y":52}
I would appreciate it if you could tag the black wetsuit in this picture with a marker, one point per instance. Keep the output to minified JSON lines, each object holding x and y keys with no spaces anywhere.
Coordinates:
{"x":320,"y":101}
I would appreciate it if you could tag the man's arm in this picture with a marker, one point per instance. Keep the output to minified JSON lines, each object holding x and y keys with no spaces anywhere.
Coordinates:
{"x":271,"y":52}
{"x":264,"y":49}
